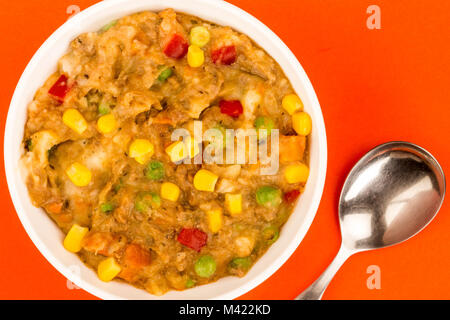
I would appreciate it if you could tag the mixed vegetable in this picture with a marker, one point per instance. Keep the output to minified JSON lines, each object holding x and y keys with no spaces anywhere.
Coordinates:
{"x":199,"y":222}
{"x":60,"y":88}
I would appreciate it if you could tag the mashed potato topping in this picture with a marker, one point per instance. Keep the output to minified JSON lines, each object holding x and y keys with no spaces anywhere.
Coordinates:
{"x":100,"y":159}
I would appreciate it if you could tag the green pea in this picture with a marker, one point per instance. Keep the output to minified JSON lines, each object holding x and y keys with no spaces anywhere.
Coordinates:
{"x":155,"y":170}
{"x":205,"y":266}
{"x":156,"y":200}
{"x":268,"y":196}
{"x":106,"y":207}
{"x":146,"y":201}
{"x":271,"y":234}
{"x":165,"y":74}
{"x":241,"y":263}
{"x":190,"y":283}
{"x":104,"y":108}
{"x":108,"y":26}
{"x":265,"y":124}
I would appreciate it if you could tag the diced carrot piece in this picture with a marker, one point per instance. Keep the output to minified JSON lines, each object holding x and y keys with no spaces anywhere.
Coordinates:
{"x":162,"y":120}
{"x":135,"y":257}
{"x":128,"y":274}
{"x":64,"y":218}
{"x":55,"y":207}
{"x":103,"y":243}
{"x":292,"y":148}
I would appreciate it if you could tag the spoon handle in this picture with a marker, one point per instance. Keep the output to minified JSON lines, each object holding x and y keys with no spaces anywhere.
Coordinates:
{"x":316,"y":290}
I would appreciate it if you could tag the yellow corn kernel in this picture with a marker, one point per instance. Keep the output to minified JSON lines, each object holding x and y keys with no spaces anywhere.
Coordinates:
{"x":195,"y":56}
{"x":199,"y":36}
{"x":176,"y":151}
{"x":79,"y":174}
{"x":214,"y":219}
{"x":106,"y":123}
{"x":302,"y":123}
{"x":192,"y":147}
{"x":108,"y":269}
{"x":296,"y":173}
{"x":205,"y":180}
{"x":170,"y":191}
{"x":233,"y":203}
{"x":74,"y":120}
{"x":73,"y":239}
{"x":292,"y":103}
{"x":141,"y":150}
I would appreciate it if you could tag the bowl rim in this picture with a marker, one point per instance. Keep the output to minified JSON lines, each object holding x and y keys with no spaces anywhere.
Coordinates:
{"x":218,"y":4}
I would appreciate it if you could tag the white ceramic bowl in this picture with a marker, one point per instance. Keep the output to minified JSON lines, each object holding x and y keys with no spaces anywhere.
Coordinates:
{"x":46,"y":235}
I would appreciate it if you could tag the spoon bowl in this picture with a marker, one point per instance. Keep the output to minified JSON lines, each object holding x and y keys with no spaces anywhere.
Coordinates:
{"x":390,"y":195}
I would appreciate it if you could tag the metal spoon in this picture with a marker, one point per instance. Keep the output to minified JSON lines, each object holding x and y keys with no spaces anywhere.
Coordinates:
{"x":390,"y":195}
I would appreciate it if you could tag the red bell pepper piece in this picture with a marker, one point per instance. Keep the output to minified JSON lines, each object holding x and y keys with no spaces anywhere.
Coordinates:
{"x":224,"y":55}
{"x":193,"y":238}
{"x":60,"y":89}
{"x":291,"y":196}
{"x":233,"y":108}
{"x":177,"y":47}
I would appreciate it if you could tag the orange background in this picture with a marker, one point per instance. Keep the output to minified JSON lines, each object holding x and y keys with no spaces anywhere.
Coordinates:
{"x":374,"y":86}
